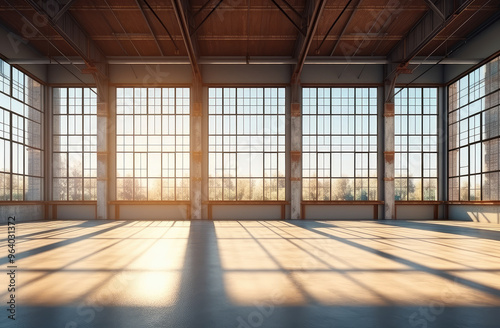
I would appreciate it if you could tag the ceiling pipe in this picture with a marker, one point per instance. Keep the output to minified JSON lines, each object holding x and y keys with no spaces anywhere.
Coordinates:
{"x":446,"y":61}
{"x":46,"y":61}
{"x":261,"y":60}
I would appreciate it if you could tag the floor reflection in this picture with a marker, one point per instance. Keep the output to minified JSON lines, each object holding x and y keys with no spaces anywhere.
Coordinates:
{"x":326,"y":270}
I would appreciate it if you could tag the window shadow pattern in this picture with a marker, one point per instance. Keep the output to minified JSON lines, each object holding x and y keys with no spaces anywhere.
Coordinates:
{"x":256,"y":274}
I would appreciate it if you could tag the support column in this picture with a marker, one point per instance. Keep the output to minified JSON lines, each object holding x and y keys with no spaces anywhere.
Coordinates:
{"x":442,"y":148}
{"x":196,"y":147}
{"x":389,"y":202}
{"x":102,"y":148}
{"x":295,"y":151}
{"x":48,"y":161}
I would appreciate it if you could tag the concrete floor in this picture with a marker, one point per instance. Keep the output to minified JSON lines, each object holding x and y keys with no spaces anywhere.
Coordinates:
{"x":242,"y":274}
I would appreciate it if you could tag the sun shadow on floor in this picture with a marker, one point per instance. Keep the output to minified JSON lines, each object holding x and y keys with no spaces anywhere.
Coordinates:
{"x":245,"y":274}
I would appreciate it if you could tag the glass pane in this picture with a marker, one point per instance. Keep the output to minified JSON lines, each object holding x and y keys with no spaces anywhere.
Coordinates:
{"x":153,"y":143}
{"x":248,"y":144}
{"x":416,"y":142}
{"x":474,"y":103}
{"x":344,"y":148}
{"x":74,"y":143}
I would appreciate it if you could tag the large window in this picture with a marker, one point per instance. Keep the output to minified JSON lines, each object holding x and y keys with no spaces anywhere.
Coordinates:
{"x":474,"y":135}
{"x":152,"y":143}
{"x":246,"y":144}
{"x":339,"y":144}
{"x":74,"y":144}
{"x":416,"y":139}
{"x":21,"y":139}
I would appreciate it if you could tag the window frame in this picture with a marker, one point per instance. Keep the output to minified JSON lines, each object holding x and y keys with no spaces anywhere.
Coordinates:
{"x":370,"y":149}
{"x":421,"y":105}
{"x":482,"y":94}
{"x":21,"y":113}
{"x":85,"y":116}
{"x":180,"y":110}
{"x":278,"y":190}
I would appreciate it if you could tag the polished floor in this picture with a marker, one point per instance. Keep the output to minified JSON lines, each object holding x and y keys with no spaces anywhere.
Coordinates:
{"x":243,"y":274}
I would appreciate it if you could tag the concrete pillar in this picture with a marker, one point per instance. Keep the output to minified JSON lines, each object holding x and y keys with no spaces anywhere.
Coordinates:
{"x":48,"y":165}
{"x":389,"y":203}
{"x":295,"y":151}
{"x":196,"y":148}
{"x":443,"y":151}
{"x":102,"y":149}
{"x":111,"y":158}
{"x":442,"y":146}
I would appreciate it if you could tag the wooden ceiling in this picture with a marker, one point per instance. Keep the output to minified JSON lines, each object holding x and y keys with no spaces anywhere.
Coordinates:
{"x":129,"y":28}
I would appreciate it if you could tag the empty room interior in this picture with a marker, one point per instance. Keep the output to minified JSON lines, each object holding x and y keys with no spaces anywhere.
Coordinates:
{"x":250,"y":163}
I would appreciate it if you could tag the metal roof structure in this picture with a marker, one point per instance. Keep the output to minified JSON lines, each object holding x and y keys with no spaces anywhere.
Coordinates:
{"x":243,"y":31}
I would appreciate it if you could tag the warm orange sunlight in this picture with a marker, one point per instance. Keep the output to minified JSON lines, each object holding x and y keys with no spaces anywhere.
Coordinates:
{"x":113,"y":264}
{"x":250,"y":164}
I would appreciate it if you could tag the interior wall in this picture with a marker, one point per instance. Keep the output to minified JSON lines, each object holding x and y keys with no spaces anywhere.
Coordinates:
{"x":21,"y":212}
{"x":76,"y":212}
{"x":339,"y":212}
{"x":476,"y":213}
{"x":422,"y":74}
{"x":342,"y":74}
{"x":150,"y":75}
{"x":68,"y":75}
{"x":478,"y":48}
{"x":246,"y":212}
{"x":415,"y":212}
{"x":16,"y":47}
{"x":482,"y":46}
{"x":246,"y":74}
{"x":153,"y":212}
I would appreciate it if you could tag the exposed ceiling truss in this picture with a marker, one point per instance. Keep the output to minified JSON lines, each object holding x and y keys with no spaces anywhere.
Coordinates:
{"x":313,"y":14}
{"x":183,"y":19}
{"x":429,"y":26}
{"x":291,"y":32}
{"x":74,"y":36}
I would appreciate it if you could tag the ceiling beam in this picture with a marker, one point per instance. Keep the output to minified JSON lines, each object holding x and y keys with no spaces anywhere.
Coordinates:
{"x":199,"y":10}
{"x":257,"y":8}
{"x":435,"y":9}
{"x":243,"y":60}
{"x":333,"y":25}
{"x":303,"y":43}
{"x":224,"y":38}
{"x":355,"y":8}
{"x":292,"y":8}
{"x":206,"y":17}
{"x":425,"y":31}
{"x":180,"y":10}
{"x":67,"y":27}
{"x":153,"y":11}
{"x":149,"y":26}
{"x":299,"y":28}
{"x":63,"y":10}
